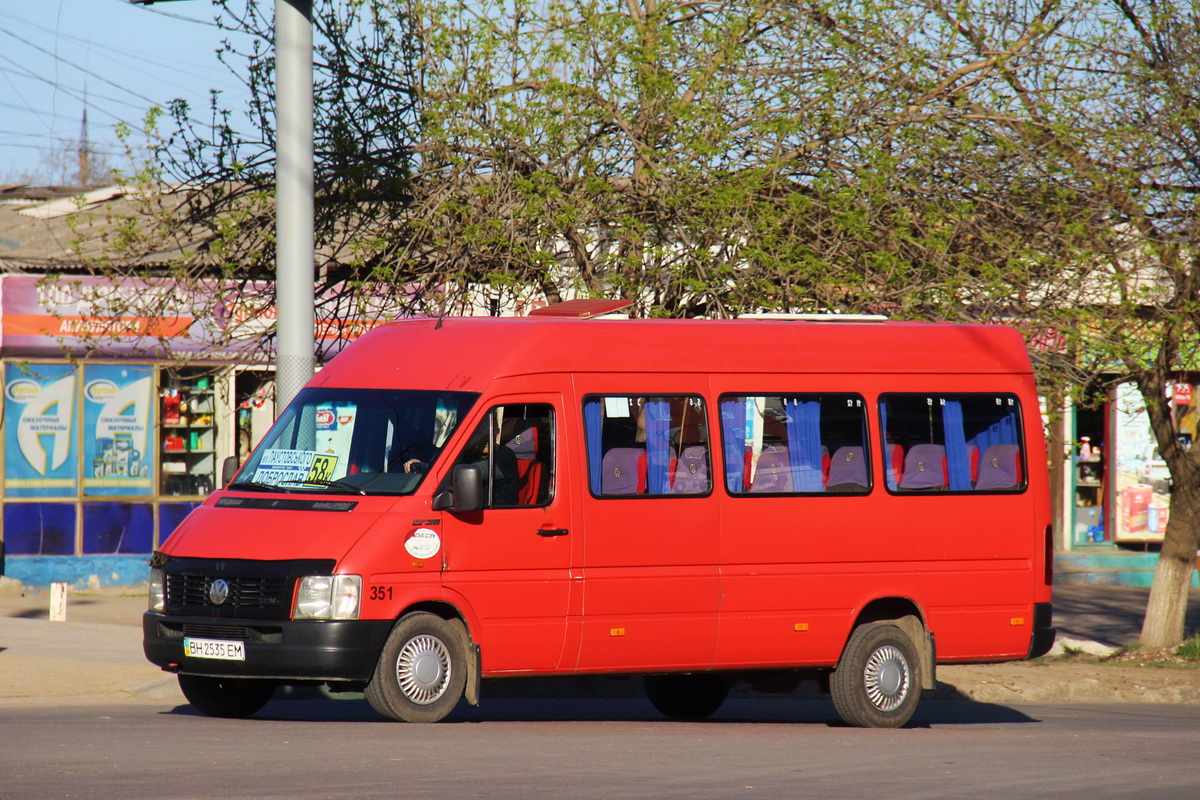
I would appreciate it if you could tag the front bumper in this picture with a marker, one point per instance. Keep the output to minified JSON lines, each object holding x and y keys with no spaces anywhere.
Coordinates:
{"x":305,"y":650}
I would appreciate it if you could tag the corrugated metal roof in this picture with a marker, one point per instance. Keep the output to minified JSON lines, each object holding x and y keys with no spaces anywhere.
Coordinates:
{"x":66,"y":228}
{"x":62,"y":206}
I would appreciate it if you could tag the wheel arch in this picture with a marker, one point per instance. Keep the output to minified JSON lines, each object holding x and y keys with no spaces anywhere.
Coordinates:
{"x":455,"y":615}
{"x":440,"y":608}
{"x":907,"y":615}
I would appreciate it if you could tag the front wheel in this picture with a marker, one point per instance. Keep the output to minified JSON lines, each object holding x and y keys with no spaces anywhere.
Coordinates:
{"x":422,"y":670}
{"x":686,"y":697}
{"x":226,"y":697}
{"x":877,"y":682}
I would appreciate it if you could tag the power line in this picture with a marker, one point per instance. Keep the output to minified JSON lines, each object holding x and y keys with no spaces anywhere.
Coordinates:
{"x":37,"y":112}
{"x":149,"y":10}
{"x":76,"y":95}
{"x":134,"y":57}
{"x":58,"y":142}
{"x":82,"y":69}
{"x":58,"y":35}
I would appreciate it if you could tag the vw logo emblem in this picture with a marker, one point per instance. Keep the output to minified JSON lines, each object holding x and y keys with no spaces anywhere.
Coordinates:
{"x":218,"y":592}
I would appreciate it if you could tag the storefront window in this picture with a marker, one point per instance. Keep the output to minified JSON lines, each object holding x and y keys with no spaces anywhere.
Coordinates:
{"x":1090,"y":476}
{"x":118,"y":430}
{"x":190,"y":431}
{"x":40,"y":430}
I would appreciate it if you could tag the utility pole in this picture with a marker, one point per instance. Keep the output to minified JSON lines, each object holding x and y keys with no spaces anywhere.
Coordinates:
{"x":294,"y":300}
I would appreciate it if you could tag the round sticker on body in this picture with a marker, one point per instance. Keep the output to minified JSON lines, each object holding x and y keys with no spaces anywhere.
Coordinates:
{"x":423,"y":543}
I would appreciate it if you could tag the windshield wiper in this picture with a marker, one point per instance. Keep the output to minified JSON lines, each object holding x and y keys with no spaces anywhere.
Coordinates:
{"x":257,"y":486}
{"x":346,"y":487}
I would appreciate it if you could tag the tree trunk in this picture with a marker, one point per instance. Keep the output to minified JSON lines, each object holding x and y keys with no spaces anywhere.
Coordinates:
{"x":1166,"y":611}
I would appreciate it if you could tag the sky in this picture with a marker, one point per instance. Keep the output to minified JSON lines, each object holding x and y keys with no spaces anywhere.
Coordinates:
{"x":123,"y":58}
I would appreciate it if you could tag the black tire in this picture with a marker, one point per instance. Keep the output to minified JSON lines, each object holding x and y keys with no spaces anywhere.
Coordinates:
{"x":877,"y":682}
{"x":226,"y":697}
{"x":422,"y":670}
{"x":686,"y":697}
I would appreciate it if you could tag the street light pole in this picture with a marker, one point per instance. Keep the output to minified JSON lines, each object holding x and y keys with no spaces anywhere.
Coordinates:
{"x":294,"y":252}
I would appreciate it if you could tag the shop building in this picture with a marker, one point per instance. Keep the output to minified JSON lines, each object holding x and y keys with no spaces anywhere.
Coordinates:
{"x":123,"y":397}
{"x":1116,"y":490}
{"x":105,"y":453}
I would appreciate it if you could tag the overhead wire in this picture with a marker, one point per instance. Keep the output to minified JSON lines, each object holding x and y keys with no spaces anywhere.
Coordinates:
{"x":136,"y":58}
{"x":116,"y":107}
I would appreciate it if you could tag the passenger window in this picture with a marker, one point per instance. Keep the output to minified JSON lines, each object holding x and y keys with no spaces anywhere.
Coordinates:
{"x":952,"y":442}
{"x":513,"y":447}
{"x":795,"y":444}
{"x":647,"y":445}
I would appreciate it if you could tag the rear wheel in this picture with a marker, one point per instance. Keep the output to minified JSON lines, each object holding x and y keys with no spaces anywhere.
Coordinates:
{"x":422,"y":670}
{"x":226,"y":697}
{"x":687,"y":697}
{"x":877,"y":682}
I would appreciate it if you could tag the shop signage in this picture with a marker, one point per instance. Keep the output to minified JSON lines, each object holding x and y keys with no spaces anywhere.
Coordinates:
{"x":158,"y":318}
{"x":42,"y":459}
{"x":118,"y":421}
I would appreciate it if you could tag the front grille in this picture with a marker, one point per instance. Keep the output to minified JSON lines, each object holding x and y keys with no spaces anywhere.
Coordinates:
{"x":245,"y":594}
{"x":256,"y":589}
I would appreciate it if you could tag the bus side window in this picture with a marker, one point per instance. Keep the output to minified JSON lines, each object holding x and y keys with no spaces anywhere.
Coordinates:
{"x":639,"y":445}
{"x":795,"y":444}
{"x":954,"y":442}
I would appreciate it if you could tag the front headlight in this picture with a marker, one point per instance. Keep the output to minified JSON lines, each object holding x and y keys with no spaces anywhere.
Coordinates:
{"x":328,"y":597}
{"x":157,"y":596}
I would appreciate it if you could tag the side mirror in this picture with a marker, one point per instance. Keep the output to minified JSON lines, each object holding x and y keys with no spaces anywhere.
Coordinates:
{"x":229,"y":468}
{"x":465,"y":494}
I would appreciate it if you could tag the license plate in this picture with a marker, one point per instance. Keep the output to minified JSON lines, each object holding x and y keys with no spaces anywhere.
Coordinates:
{"x":214,"y":648}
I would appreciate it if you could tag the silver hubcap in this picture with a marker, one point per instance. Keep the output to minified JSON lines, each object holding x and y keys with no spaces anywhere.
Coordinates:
{"x":886,"y":678}
{"x":423,"y":669}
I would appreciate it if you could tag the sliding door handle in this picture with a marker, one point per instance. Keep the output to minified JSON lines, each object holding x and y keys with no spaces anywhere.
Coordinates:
{"x":552,"y":532}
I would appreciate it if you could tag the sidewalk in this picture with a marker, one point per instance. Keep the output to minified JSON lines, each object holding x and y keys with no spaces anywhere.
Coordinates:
{"x":96,"y":655}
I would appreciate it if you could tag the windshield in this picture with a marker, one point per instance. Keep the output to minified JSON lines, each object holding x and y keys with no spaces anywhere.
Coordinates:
{"x":354,"y":441}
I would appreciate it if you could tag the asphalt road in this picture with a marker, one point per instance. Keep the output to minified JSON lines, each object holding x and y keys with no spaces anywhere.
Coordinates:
{"x":584,"y":749}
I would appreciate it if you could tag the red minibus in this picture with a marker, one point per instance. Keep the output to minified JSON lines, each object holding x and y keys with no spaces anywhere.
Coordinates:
{"x":696,"y":502}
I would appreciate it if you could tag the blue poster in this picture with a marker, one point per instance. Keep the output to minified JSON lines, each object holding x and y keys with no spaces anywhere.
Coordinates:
{"x":118,"y":425}
{"x":42,"y":459}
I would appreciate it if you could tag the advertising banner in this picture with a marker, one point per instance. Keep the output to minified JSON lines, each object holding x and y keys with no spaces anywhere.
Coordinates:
{"x":1143,"y":485}
{"x":43,"y":316}
{"x":42,"y":458}
{"x":118,"y":426}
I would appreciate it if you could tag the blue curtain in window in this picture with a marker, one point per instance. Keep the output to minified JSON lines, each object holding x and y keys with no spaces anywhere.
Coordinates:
{"x":957,"y":462}
{"x":1003,"y":431}
{"x":888,"y":475}
{"x":804,"y":444}
{"x":593,"y":427}
{"x":733,"y":437}
{"x":982,"y":440}
{"x":1008,"y":429}
{"x":658,"y":446}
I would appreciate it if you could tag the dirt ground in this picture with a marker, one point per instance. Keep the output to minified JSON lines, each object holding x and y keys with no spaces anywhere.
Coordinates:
{"x":1084,"y":678}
